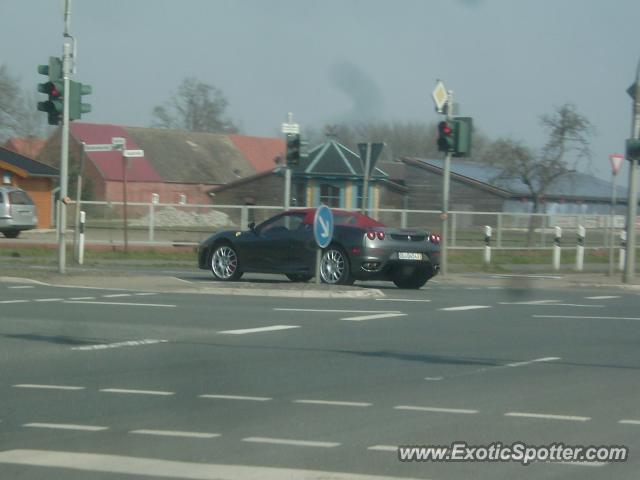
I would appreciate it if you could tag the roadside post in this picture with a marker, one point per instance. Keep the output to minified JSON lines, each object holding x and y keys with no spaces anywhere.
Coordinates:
{"x":580,"y":249}
{"x":323,"y":234}
{"x":623,"y":250}
{"x":616,"y":162}
{"x":155,"y":199}
{"x":556,"y":248}
{"x":291,"y":131}
{"x":83,"y":217}
{"x":487,"y":244}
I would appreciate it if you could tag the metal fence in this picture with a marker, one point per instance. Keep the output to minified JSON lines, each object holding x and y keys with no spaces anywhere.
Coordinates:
{"x":155,"y":223}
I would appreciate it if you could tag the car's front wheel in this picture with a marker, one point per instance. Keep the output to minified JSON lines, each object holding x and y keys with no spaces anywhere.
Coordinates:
{"x":11,"y":233}
{"x":334,"y":267}
{"x":224,"y":263}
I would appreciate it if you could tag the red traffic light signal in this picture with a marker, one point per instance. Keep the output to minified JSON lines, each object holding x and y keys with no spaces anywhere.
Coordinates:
{"x":445,"y":137}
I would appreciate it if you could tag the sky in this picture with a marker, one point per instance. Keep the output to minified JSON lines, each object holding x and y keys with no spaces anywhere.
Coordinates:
{"x":328,"y":61}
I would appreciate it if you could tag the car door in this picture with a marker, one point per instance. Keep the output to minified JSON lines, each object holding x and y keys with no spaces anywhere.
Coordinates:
{"x":269,"y":248}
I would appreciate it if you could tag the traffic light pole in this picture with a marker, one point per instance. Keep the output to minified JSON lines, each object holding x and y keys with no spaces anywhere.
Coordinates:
{"x":632,"y":203}
{"x":64,"y":154}
{"x":444,"y":216}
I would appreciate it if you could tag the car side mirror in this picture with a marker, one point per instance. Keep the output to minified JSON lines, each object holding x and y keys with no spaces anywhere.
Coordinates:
{"x":252,"y":227}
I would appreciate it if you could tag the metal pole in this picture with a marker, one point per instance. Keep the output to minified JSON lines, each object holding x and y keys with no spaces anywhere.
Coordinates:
{"x":445,"y":196}
{"x":632,"y":206}
{"x":287,"y":188}
{"x":365,"y":187}
{"x":580,"y":248}
{"x":556,"y":248}
{"x":124,"y":202}
{"x":612,"y":218}
{"x":64,"y":154}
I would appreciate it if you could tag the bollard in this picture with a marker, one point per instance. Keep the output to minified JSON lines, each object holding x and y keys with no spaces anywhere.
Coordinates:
{"x":487,"y":245}
{"x":556,"y":248}
{"x":580,"y":249}
{"x":83,"y":217}
{"x":623,"y":250}
{"x":155,"y":199}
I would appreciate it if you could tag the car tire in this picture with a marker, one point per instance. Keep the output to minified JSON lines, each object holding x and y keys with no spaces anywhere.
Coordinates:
{"x":299,"y":277}
{"x":334,"y":267}
{"x":11,"y":233}
{"x":413,"y":280}
{"x":224,"y":262}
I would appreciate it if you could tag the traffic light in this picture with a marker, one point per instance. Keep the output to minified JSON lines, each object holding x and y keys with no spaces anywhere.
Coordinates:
{"x":633,"y":149}
{"x":462,"y":128}
{"x":54,"y":89}
{"x":445,"y":136}
{"x":76,"y":107}
{"x":293,"y":150}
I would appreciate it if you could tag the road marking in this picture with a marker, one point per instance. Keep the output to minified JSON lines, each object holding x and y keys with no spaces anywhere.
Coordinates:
{"x":14,"y":301}
{"x":630,"y":422}
{"x":318,"y":310}
{"x":236,"y":397}
{"x":136,"y":392}
{"x":586,"y":317}
{"x":295,"y":443}
{"x":336,"y":403}
{"x":529,"y":362}
{"x":258,"y":330}
{"x":156,"y":468}
{"x":124,"y":304}
{"x":48,"y":300}
{"x":175,"y":433}
{"x":373,"y":317}
{"x":145,"y":294}
{"x":576,"y":305}
{"x":583,"y":464}
{"x":603,"y":297}
{"x":531,"y":302}
{"x":82,"y":298}
{"x":464,"y":307}
{"x":401,"y":300}
{"x":66,"y":426}
{"x":16,"y":287}
{"x":548,"y":416}
{"x":383,"y":448}
{"x":507,"y":275}
{"x":116,"y":295}
{"x":128,"y":343}
{"x":48,"y":387}
{"x":433,"y":379}
{"x":436,"y":409}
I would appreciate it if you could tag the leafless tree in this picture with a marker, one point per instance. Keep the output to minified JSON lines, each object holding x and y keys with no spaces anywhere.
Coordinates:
{"x":195,"y":107}
{"x":9,"y":103}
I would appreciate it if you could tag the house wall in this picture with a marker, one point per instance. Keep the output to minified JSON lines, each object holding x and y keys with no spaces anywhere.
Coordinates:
{"x":39,"y":189}
{"x":142,"y":191}
{"x":267,"y":190}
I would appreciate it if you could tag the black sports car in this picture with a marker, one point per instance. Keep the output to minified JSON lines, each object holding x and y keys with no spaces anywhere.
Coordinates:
{"x":361,"y":249}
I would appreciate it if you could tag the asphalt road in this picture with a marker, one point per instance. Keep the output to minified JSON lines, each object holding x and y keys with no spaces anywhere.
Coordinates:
{"x":106,"y":384}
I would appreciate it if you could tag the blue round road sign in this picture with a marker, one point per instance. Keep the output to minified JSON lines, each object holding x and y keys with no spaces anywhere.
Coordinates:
{"x":323,"y":226}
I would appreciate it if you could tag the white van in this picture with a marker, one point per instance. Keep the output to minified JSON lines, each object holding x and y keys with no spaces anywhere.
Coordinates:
{"x":17,"y":212}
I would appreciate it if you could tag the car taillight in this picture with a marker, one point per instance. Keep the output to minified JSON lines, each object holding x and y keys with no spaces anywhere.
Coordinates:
{"x":380,"y":235}
{"x":435,"y":239}
{"x":371,"y":235}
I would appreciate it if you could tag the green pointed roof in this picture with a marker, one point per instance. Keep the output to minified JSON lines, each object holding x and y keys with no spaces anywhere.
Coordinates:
{"x":334,"y":159}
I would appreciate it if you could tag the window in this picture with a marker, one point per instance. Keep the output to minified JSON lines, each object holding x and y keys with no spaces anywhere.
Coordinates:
{"x":300,"y":195}
{"x":330,"y":195}
{"x":19,"y":198}
{"x":282,"y":223}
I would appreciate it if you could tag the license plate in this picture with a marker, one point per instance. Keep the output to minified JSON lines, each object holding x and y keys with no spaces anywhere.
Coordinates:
{"x":409,"y":256}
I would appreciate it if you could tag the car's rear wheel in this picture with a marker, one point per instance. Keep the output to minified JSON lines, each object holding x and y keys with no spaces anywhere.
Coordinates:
{"x":224,"y":263}
{"x":334,"y":267}
{"x":299,"y":277}
{"x":11,"y":233}
{"x":413,"y":280}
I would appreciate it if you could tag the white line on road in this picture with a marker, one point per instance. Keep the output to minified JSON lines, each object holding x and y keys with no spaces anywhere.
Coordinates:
{"x":82,"y":298}
{"x":236,"y":397}
{"x":464,"y":307}
{"x":374,"y":317}
{"x":48,"y":387}
{"x":336,"y":403}
{"x":20,"y":286}
{"x":629,"y":422}
{"x":383,"y":448}
{"x":603,"y":297}
{"x":295,"y":443}
{"x":576,"y":305}
{"x":48,"y":300}
{"x":136,"y":392}
{"x":436,"y":409}
{"x":547,"y":416}
{"x":128,"y":343}
{"x":124,"y":304}
{"x":318,"y":310}
{"x":116,"y":295}
{"x":434,"y":379}
{"x":531,"y":302}
{"x":580,"y":317}
{"x":157,"y":468}
{"x":175,"y":433}
{"x":401,"y":300}
{"x":14,"y":301}
{"x":583,"y":464}
{"x":66,"y":426}
{"x":272,"y":328}
{"x":529,"y":362}
{"x":145,"y":294}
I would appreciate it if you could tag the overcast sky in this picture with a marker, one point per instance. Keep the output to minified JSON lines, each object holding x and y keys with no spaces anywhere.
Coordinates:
{"x":508,"y":61}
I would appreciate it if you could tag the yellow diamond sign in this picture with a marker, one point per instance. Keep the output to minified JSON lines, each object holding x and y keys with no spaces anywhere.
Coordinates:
{"x":440,"y":96}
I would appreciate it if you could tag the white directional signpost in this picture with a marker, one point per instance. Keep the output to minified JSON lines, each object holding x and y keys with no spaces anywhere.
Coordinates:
{"x":117,"y":144}
{"x":616,"y":164}
{"x":323,"y":233}
{"x":288,"y":128}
